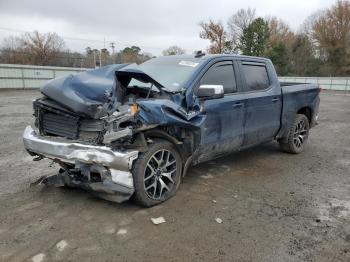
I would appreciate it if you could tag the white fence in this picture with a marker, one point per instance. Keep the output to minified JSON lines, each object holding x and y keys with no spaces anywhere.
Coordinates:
{"x":27,"y":76}
{"x":332,"y":83}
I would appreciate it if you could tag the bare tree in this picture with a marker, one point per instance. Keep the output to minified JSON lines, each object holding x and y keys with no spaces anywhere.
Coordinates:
{"x":216,"y":34}
{"x":12,"y":51}
{"x":279,"y":31}
{"x":302,"y":61}
{"x":279,"y":44}
{"x":42,"y":47}
{"x":32,"y":48}
{"x":237,"y":23}
{"x":330,"y":31}
{"x":173,"y":50}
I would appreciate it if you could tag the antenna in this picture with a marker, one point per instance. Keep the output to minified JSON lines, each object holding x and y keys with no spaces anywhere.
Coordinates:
{"x":199,"y":53}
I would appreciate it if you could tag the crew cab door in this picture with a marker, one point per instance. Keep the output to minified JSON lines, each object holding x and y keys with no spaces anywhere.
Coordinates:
{"x":222,"y":130}
{"x":263,"y":103}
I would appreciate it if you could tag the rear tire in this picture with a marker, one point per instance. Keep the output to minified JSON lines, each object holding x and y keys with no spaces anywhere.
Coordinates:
{"x":297,"y":136}
{"x":157,"y":173}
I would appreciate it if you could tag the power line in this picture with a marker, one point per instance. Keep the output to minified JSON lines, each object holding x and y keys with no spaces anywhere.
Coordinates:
{"x":112,"y":45}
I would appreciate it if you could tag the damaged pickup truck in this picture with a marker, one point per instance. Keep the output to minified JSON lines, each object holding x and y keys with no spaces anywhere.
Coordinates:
{"x":131,"y":130}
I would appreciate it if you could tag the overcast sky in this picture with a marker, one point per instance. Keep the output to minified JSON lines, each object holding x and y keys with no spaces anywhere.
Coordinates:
{"x":151,"y":24}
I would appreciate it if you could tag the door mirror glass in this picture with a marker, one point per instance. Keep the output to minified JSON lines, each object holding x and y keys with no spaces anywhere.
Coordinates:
{"x":210,"y":91}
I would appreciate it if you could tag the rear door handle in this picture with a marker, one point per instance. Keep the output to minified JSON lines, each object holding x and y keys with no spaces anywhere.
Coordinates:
{"x":275,"y":99}
{"x":238,"y":105}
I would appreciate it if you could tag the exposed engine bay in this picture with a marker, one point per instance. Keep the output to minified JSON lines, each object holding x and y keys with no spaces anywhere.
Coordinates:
{"x":52,"y":119}
{"x":113,"y":118}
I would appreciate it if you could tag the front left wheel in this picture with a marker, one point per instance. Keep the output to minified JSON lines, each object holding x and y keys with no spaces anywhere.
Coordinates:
{"x":157,"y":173}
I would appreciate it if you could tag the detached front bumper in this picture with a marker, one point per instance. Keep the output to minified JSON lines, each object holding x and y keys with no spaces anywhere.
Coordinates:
{"x":96,"y":168}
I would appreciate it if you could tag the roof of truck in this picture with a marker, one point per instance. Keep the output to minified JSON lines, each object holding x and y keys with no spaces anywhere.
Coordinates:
{"x":204,"y":56}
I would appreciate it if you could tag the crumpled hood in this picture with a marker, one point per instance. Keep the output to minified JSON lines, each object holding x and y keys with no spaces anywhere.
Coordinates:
{"x":90,"y":93}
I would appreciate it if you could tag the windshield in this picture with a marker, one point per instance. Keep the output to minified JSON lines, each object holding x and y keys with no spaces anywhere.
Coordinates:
{"x":170,"y":72}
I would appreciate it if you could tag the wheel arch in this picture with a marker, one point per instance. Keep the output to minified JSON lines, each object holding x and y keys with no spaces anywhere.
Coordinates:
{"x":307,"y":112}
{"x":158,"y":133}
{"x":184,"y":142}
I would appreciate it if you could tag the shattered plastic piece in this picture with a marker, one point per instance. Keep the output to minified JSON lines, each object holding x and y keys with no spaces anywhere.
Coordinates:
{"x":112,"y":135}
{"x":38,"y":258}
{"x":61,"y":245}
{"x":122,"y":231}
{"x":218,"y":220}
{"x":209,"y":176}
{"x":158,"y":220}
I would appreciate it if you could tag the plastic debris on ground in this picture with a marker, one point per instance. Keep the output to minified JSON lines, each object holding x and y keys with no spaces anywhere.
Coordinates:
{"x":158,"y":220}
{"x":218,"y":220}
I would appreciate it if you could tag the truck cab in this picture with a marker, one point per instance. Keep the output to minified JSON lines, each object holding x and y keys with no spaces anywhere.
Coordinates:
{"x":249,"y":110}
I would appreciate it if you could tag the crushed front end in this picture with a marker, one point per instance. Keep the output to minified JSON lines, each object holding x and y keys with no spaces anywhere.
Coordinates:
{"x":96,"y":124}
{"x":84,"y":149}
{"x":80,"y":125}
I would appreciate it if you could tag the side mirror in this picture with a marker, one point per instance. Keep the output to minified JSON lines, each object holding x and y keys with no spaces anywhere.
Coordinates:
{"x":210,"y":91}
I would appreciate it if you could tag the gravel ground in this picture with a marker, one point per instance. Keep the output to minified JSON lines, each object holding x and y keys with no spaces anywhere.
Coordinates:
{"x":273,"y":206}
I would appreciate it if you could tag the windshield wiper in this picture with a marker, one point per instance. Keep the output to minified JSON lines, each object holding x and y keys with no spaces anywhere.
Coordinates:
{"x":144,"y":87}
{"x":149,"y":91}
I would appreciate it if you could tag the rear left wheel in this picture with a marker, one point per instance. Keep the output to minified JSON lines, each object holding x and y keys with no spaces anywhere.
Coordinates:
{"x":157,"y":173}
{"x":297,"y":135}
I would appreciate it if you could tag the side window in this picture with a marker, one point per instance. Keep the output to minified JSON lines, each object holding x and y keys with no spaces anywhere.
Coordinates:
{"x":221,"y":74}
{"x":256,"y":77}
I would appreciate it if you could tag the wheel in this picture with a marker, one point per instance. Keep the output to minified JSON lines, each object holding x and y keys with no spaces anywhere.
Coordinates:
{"x":297,"y":135}
{"x":157,"y":173}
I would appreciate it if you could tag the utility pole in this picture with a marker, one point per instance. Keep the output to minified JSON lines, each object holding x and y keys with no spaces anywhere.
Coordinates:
{"x":112,"y":45}
{"x":100,"y":57}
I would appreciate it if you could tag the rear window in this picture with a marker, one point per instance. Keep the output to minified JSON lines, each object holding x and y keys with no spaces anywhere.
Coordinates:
{"x":256,"y":77}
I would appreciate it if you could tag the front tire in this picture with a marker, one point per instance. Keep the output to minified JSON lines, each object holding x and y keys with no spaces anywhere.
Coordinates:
{"x":297,"y":135}
{"x":157,"y":173}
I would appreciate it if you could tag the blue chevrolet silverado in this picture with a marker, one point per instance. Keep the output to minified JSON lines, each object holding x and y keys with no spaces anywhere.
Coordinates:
{"x":130,"y":130}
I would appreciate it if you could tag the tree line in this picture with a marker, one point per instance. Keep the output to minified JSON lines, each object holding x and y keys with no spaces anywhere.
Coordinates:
{"x":320,"y":48}
{"x":49,"y":49}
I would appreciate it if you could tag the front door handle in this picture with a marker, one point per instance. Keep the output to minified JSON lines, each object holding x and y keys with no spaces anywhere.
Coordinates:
{"x":275,"y":99}
{"x":237,"y":105}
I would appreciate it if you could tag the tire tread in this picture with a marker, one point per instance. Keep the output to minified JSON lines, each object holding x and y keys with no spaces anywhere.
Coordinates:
{"x":287,"y":145}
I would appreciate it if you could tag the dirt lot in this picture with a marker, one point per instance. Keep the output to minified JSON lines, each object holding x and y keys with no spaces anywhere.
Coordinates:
{"x":274,"y":206}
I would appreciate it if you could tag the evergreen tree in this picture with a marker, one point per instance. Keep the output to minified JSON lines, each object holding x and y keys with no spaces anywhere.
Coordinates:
{"x":254,"y":39}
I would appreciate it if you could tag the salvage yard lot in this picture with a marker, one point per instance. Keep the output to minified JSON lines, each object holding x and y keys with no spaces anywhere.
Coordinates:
{"x":273,"y":206}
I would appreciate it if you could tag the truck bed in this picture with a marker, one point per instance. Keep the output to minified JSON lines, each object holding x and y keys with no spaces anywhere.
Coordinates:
{"x":283,"y":84}
{"x":298,"y":96}
{"x":290,"y":87}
